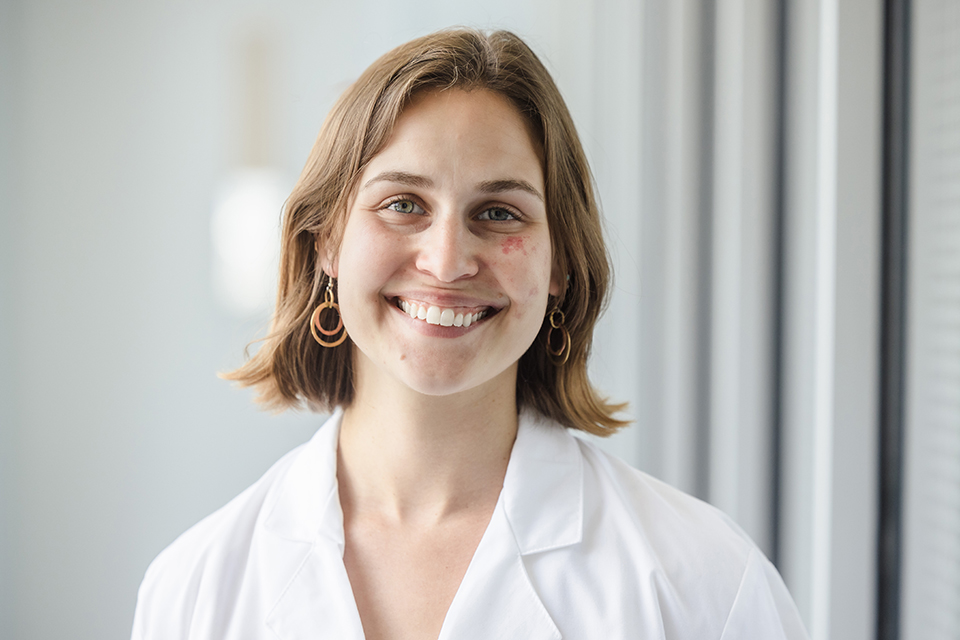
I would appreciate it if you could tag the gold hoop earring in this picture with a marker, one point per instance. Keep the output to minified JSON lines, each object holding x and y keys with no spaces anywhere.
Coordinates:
{"x":559,"y":356}
{"x":315,"y":324}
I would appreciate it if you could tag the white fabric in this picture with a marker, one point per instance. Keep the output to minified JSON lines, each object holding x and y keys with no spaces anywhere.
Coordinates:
{"x":580,"y":545}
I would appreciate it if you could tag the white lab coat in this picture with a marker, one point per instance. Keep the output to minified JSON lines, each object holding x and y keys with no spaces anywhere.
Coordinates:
{"x":580,"y":546}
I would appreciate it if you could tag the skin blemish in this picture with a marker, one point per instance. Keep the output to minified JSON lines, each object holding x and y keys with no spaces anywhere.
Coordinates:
{"x":513,"y":244}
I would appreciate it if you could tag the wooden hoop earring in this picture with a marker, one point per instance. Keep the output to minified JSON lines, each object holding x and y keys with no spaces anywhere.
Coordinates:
{"x":315,"y":324}
{"x":561,"y":355}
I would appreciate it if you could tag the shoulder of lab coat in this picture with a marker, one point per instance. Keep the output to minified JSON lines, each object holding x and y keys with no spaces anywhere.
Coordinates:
{"x":580,"y":546}
{"x":664,"y":562}
{"x":201,"y":586}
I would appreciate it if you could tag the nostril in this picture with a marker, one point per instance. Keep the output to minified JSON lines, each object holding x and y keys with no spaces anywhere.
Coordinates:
{"x":449,"y":266}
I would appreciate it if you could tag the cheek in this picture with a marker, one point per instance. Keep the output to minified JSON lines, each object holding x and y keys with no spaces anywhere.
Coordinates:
{"x":367,"y":253}
{"x":525,"y":265}
{"x":367,"y":260}
{"x":512,"y":244}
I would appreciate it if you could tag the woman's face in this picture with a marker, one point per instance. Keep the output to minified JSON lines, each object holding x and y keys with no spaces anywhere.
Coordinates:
{"x":445,"y":264}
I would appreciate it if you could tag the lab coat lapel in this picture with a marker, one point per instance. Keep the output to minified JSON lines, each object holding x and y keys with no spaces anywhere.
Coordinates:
{"x":318,"y":603}
{"x":316,"y":600}
{"x":540,"y":509}
{"x":543,"y":488}
{"x":496,"y":599}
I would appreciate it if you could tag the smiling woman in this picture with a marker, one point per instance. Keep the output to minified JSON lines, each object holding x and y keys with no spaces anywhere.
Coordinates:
{"x":442,"y":270}
{"x":290,"y":370}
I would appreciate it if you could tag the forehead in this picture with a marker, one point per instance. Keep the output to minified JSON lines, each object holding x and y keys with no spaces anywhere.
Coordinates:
{"x":480,"y":131}
{"x":468,"y":103}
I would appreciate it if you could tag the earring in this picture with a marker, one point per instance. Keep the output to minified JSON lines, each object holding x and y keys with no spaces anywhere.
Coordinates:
{"x":315,"y":324}
{"x":559,"y":356}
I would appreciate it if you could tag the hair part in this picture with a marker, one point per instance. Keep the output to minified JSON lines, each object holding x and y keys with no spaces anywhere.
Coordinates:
{"x":291,"y":370}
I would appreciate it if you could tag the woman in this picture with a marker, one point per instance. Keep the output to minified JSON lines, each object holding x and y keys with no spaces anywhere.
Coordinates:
{"x":442,"y":270}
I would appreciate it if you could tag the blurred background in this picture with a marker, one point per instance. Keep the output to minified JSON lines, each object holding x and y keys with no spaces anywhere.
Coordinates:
{"x":781,"y":186}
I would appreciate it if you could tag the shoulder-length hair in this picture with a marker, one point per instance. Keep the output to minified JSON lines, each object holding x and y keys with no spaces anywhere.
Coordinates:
{"x":291,"y":370}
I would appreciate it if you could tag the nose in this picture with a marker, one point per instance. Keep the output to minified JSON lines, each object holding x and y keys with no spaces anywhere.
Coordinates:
{"x":448,"y":250}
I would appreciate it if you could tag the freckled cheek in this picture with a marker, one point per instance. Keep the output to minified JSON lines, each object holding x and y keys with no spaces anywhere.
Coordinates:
{"x":527,"y":275}
{"x":513,"y":244}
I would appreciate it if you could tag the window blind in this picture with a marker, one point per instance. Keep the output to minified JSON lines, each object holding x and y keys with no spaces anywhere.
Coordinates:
{"x":931,"y":560}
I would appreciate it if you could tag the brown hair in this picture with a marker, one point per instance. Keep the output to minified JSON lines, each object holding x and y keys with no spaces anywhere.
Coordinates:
{"x":290,"y":369}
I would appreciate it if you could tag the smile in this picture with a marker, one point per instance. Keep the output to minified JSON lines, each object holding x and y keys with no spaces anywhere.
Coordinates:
{"x":440,"y":316}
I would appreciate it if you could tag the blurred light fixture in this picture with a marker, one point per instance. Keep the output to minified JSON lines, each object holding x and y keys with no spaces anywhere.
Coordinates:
{"x":245,"y":230}
{"x":245,"y":226}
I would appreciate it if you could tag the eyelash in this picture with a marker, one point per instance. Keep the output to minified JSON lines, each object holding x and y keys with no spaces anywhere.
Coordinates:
{"x":513,"y":213}
{"x":392,"y":201}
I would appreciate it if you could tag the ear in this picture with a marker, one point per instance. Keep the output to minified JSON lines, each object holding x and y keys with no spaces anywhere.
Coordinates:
{"x":329,"y":262}
{"x":556,"y":280}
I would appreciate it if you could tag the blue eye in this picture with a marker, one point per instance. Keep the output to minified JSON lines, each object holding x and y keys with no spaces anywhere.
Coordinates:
{"x":497,"y":214}
{"x":405,"y":206}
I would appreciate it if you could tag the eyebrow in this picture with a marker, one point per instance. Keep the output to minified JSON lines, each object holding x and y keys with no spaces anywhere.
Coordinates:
{"x":488,"y":186}
{"x":400,"y":177}
{"x":502,"y":186}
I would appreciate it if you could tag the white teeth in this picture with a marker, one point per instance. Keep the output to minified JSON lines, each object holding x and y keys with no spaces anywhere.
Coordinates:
{"x":441,"y":317}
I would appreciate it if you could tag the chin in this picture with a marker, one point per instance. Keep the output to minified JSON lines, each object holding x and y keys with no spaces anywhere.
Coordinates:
{"x":438,"y":385}
{"x":452,"y":381}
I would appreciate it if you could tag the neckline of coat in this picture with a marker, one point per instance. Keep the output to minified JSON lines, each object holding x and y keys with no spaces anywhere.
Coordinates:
{"x":542,"y":490}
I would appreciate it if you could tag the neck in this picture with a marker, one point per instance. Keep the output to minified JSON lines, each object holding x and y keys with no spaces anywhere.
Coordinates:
{"x":416,"y":458}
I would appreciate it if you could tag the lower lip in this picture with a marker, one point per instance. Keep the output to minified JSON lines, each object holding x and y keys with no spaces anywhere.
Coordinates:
{"x":435,"y":330}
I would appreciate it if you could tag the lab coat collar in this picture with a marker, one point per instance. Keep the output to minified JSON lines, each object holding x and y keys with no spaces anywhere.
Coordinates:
{"x":540,"y":509}
{"x":317,"y":600}
{"x":307,"y":503}
{"x":543,"y":488}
